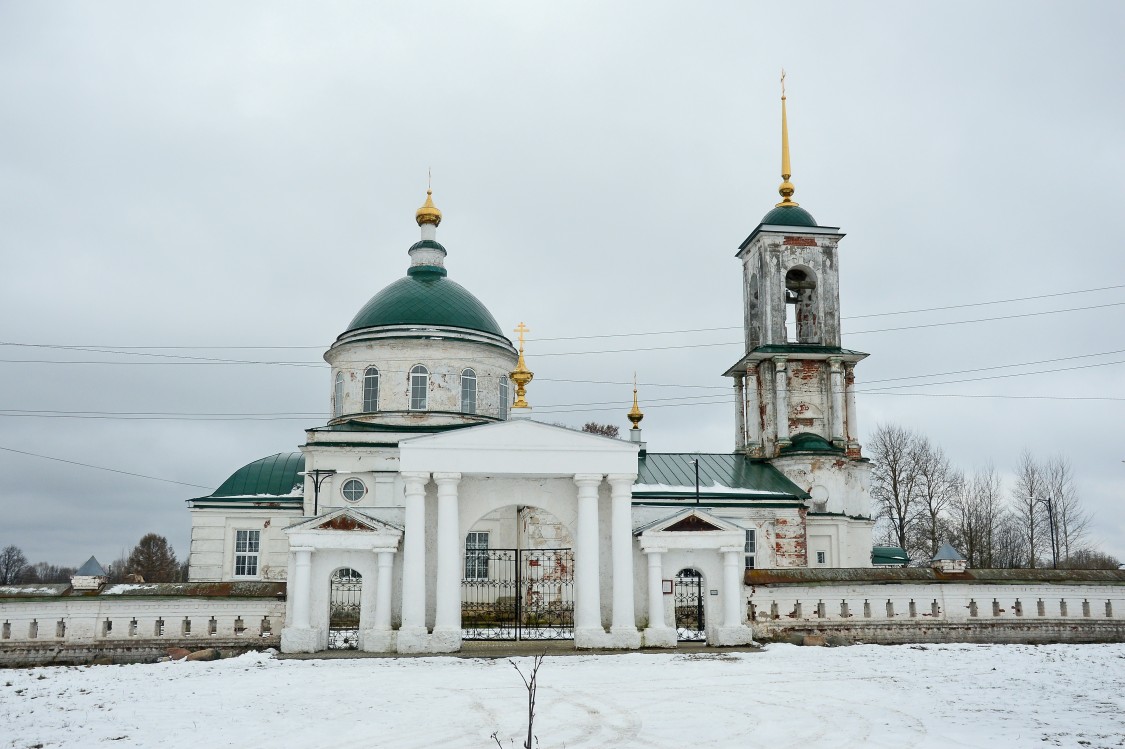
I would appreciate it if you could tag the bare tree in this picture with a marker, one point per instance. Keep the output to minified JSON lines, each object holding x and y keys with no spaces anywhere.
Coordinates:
{"x":1029,"y":491}
{"x":1070,"y":522}
{"x":938,"y":484}
{"x":44,"y":572}
{"x":893,"y":450}
{"x":973,"y":513}
{"x":153,"y":559}
{"x":12,"y":565}
{"x":1090,"y":559}
{"x":606,"y":430}
{"x":531,"y":682}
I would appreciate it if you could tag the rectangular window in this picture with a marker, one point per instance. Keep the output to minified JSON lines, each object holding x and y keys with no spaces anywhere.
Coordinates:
{"x":822,"y":557}
{"x":751,"y":547}
{"x":476,"y":555}
{"x":505,"y":399}
{"x":419,"y":388}
{"x":246,"y":544}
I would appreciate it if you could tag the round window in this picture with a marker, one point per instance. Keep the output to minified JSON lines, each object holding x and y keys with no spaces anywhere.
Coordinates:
{"x":354,"y":490}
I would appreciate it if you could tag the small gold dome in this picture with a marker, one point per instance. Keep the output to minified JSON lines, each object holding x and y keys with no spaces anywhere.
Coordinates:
{"x":635,"y":415}
{"x":428,"y":213}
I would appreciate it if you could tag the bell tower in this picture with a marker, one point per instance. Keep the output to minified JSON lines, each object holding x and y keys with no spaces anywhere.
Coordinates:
{"x":794,"y":383}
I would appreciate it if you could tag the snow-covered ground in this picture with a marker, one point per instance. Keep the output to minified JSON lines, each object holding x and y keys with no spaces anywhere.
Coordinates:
{"x":861,"y":696}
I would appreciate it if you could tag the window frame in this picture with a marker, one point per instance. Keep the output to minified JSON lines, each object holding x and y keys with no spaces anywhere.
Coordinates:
{"x":468,"y":391}
{"x":505,"y":397}
{"x":338,"y":396}
{"x":750,"y":548}
{"x":370,"y":393}
{"x":344,"y":489}
{"x":476,"y":555}
{"x":419,"y":388}
{"x":822,"y":557}
{"x":249,"y":559}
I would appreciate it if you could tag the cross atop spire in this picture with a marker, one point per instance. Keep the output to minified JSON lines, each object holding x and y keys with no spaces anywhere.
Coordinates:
{"x":786,"y":189}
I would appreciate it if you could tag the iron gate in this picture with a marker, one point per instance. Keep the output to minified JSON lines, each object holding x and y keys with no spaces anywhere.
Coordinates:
{"x":518,"y":594}
{"x":688,"y":600}
{"x":343,"y":609}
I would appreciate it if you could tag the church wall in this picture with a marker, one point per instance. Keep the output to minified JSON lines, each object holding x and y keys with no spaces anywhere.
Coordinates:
{"x":941,"y":612}
{"x":212,"y":543}
{"x":445,"y":358}
{"x":845,"y":481}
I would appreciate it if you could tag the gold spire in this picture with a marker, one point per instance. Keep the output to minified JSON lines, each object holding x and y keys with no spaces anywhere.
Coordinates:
{"x":428,"y":213}
{"x":521,"y":375}
{"x":635,"y":414}
{"x":786,"y":190}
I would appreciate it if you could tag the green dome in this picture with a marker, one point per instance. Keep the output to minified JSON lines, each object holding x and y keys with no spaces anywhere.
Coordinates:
{"x":807,"y":442}
{"x":277,"y":475}
{"x":789,"y":215}
{"x":426,"y":297}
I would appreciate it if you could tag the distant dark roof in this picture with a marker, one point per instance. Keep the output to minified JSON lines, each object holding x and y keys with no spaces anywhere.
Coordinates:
{"x":90,"y":569}
{"x":948,"y":553}
{"x":834,"y":576}
{"x":720,"y":475}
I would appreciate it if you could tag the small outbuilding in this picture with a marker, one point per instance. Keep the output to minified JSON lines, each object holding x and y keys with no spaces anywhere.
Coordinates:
{"x":949,"y":559}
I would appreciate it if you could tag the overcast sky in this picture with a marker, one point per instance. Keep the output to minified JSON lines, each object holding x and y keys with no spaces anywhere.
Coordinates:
{"x":236,"y":175}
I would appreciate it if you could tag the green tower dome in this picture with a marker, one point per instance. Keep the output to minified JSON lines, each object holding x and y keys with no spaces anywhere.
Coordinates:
{"x":789,"y":215}
{"x":426,"y":297}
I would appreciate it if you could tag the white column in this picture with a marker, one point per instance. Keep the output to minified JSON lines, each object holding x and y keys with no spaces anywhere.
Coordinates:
{"x":447,"y":617}
{"x":587,"y":581}
{"x":624,"y":628}
{"x":732,"y":587}
{"x":383,"y":591}
{"x":414,"y":554}
{"x":301,"y":589}
{"x":739,"y":413}
{"x":849,"y":390}
{"x":753,"y":411}
{"x":781,"y":400}
{"x":655,"y":589}
{"x":836,"y":388}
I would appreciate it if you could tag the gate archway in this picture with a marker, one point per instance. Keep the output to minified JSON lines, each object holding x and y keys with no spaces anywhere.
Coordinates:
{"x":345,"y":595}
{"x":522,"y":589}
{"x":688,"y":601}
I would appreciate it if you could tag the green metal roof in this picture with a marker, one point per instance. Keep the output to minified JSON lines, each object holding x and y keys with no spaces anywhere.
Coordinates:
{"x":789,"y":215}
{"x":277,"y":475}
{"x":722,"y":471}
{"x":889,"y":555}
{"x":426,"y":297}
{"x":808,"y":442}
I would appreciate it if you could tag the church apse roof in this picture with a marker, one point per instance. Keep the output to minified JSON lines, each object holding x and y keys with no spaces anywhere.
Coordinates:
{"x":273,"y":478}
{"x":728,"y":476}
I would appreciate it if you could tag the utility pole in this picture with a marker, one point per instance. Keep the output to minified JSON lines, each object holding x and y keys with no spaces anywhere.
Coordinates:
{"x":695,"y":462}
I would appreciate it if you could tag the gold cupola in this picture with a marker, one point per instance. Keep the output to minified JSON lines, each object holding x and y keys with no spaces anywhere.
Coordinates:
{"x":521,"y":375}
{"x":635,"y":415}
{"x":786,"y":189}
{"x":428,"y":213}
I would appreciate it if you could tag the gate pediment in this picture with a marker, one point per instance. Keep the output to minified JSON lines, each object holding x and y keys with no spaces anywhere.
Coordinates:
{"x":694,"y":528}
{"x":345,"y":528}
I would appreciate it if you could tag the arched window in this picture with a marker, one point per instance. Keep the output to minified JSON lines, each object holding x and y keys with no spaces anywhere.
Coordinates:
{"x":468,"y":392}
{"x":338,"y":395}
{"x":419,"y":388}
{"x":801,"y":320}
{"x":371,"y":389}
{"x":505,"y":398}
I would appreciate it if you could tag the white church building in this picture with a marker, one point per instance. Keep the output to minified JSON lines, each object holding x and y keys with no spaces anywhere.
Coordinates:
{"x":432,"y":508}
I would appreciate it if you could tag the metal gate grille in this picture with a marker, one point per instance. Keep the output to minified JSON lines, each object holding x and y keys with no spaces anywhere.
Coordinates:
{"x":688,"y":599}
{"x":343,"y":609}
{"x":518,"y":594}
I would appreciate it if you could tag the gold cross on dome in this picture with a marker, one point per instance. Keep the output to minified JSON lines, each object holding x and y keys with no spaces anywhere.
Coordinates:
{"x":521,"y":329}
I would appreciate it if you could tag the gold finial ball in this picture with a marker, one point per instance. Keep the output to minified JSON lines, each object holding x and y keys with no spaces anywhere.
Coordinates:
{"x":428,"y":213}
{"x":786,"y":191}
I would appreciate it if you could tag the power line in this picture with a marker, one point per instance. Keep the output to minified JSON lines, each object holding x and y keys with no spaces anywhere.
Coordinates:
{"x":103,"y":468}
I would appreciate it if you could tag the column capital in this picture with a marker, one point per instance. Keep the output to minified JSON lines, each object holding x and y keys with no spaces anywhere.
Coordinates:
{"x":588,"y":479}
{"x":415,"y":476}
{"x":780,"y":362}
{"x":752,"y":369}
{"x":619,"y":478}
{"x":835,"y":363}
{"x":302,"y":549}
{"x":446,"y":478}
{"x":731,"y":549}
{"x":651,"y":550}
